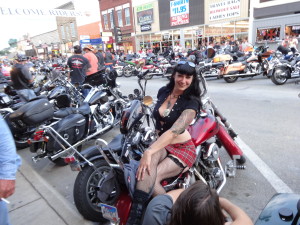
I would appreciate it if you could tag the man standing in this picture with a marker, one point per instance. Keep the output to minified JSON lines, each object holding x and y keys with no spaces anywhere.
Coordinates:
{"x":88,"y":49}
{"x":78,"y":65}
{"x":22,"y":79}
{"x":100,"y":57}
{"x":9,"y":163}
{"x":108,"y":59}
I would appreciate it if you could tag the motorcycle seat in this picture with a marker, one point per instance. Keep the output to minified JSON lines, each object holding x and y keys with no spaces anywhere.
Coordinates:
{"x":218,"y":64}
{"x":115,"y":144}
{"x":84,"y":109}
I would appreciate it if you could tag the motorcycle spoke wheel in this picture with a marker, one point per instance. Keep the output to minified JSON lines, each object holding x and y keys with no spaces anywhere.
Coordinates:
{"x":85,"y":191}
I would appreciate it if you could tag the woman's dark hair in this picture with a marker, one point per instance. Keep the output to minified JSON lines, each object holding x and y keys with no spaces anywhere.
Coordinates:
{"x":194,"y":90}
{"x":197,"y":205}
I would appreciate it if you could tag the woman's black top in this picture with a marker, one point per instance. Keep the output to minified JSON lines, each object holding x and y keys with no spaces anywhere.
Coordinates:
{"x":165,"y":123}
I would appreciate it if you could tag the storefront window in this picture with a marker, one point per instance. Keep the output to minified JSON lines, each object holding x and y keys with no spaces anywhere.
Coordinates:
{"x":268,"y":34}
{"x":292,"y":30}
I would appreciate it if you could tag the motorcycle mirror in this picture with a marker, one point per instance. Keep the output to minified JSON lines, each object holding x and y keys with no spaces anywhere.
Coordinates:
{"x":147,"y":100}
{"x":137,"y":92}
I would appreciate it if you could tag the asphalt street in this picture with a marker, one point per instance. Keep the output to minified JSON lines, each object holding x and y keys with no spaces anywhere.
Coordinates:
{"x":266,"y":118}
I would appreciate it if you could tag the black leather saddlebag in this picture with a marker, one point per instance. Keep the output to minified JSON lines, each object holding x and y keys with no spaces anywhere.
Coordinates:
{"x":71,"y":128}
{"x":32,"y":113}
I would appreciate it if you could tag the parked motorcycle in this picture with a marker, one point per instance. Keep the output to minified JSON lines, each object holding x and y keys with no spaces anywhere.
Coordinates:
{"x":100,"y":112}
{"x":286,"y":69}
{"x":231,"y":67}
{"x":100,"y":191}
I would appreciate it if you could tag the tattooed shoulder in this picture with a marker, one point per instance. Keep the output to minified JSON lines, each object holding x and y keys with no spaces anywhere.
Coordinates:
{"x":183,"y":121}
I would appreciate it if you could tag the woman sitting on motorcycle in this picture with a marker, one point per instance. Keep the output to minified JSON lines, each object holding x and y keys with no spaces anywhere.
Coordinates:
{"x":173,"y":152}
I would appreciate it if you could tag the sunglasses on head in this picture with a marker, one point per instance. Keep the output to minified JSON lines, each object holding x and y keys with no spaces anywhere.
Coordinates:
{"x":185,"y":62}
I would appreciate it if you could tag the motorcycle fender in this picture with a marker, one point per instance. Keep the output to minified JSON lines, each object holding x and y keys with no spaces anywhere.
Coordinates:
{"x":234,"y":68}
{"x":229,"y":144}
{"x":92,"y":153}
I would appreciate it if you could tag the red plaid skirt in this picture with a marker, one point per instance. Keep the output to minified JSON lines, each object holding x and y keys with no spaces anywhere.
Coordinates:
{"x":185,"y":151}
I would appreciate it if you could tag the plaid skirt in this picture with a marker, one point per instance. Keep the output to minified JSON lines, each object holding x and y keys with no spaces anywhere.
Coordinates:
{"x":185,"y":151}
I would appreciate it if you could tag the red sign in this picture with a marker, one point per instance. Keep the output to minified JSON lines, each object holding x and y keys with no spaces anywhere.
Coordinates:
{"x":180,"y":19}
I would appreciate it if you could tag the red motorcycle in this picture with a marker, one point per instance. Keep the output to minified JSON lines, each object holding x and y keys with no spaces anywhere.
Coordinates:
{"x":100,"y":189}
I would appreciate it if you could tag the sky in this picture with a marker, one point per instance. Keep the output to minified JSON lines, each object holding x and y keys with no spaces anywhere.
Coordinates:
{"x":13,"y":26}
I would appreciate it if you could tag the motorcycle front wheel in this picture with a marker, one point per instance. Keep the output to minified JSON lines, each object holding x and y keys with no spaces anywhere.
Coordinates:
{"x":128,"y":71}
{"x":85,"y":191}
{"x":279,"y":77}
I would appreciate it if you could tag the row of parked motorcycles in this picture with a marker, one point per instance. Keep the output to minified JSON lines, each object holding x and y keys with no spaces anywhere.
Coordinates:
{"x":279,"y":65}
{"x":54,"y":130}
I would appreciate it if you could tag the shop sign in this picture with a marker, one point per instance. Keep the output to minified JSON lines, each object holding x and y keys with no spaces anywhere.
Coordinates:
{"x":179,"y":11}
{"x":145,"y":27}
{"x":145,"y":16}
{"x":144,"y":7}
{"x":40,"y":50}
{"x":224,"y":10}
{"x":106,"y":34}
{"x":82,"y":37}
{"x":199,"y":32}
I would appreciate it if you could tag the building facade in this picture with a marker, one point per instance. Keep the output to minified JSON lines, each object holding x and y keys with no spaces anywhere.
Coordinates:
{"x":275,"y":20}
{"x":67,"y":31}
{"x":147,"y":29}
{"x":117,"y":14}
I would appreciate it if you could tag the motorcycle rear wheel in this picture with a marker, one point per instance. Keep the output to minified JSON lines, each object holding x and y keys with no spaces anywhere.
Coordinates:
{"x":277,"y":77}
{"x":230,"y":79}
{"x":85,"y":191}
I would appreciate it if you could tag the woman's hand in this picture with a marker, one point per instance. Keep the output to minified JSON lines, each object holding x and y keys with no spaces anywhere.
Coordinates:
{"x":144,"y":165}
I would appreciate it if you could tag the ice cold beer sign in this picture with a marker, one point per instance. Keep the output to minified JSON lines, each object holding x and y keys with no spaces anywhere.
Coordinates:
{"x":225,"y":9}
{"x":179,"y":11}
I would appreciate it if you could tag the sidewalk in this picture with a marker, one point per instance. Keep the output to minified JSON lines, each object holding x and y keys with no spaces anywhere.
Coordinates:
{"x":35,"y":202}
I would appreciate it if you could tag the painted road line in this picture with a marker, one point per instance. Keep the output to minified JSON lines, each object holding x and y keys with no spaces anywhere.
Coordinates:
{"x":263,"y":168}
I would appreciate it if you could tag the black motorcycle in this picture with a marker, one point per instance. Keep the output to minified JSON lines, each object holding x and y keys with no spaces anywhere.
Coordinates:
{"x":97,"y":114}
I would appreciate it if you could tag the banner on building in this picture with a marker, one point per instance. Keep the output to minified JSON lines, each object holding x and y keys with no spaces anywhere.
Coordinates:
{"x":179,"y":11}
{"x":144,"y":14}
{"x":224,"y":10}
{"x":4,"y":11}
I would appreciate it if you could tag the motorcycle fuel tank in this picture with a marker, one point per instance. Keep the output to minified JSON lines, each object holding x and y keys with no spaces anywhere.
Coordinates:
{"x":203,"y":129}
{"x":98,"y":97}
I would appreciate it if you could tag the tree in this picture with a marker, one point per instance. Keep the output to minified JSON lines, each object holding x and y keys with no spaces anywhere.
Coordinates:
{"x":12,"y":42}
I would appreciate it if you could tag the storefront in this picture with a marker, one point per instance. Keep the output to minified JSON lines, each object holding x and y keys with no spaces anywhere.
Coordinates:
{"x":181,"y":23}
{"x":225,"y":19}
{"x":274,"y":23}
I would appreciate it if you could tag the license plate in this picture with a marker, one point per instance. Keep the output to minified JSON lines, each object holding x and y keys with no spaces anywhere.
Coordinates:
{"x":109,"y":212}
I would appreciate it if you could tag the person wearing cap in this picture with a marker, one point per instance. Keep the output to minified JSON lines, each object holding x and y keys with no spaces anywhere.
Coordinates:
{"x":22,"y":79}
{"x":88,"y":49}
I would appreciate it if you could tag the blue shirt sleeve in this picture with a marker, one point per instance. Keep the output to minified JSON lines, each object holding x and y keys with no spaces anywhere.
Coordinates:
{"x":10,"y":161}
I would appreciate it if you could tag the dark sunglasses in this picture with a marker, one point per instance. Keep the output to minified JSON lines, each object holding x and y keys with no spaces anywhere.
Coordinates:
{"x":184,"y":62}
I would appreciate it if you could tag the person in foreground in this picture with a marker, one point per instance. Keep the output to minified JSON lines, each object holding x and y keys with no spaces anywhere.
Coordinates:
{"x":9,"y":163}
{"x":173,"y":152}
{"x":197,"y":205}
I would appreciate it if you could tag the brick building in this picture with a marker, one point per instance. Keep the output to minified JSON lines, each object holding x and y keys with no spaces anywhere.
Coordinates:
{"x":117,"y":13}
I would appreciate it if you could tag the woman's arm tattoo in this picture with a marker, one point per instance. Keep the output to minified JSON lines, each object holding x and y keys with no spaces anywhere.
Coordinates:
{"x":183,"y":121}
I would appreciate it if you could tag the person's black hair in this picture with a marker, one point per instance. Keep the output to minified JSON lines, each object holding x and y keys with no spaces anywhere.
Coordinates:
{"x":194,"y":90}
{"x":197,"y":205}
{"x":77,"y":49}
